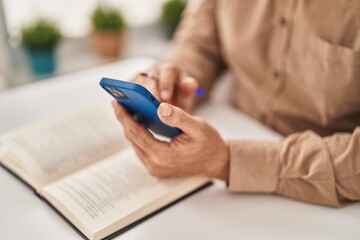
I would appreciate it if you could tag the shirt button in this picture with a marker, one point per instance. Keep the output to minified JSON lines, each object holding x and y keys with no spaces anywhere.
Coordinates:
{"x":263,"y":118}
{"x":276,"y":73}
{"x":282,"y":21}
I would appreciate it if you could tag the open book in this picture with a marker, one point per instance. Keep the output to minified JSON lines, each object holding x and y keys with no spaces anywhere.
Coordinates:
{"x":81,"y":164}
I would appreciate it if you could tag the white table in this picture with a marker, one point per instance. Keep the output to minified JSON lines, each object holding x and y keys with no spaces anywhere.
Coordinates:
{"x":211,"y":214}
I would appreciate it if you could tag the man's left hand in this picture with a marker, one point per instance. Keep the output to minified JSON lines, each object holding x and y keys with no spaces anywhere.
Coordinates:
{"x":198,"y":150}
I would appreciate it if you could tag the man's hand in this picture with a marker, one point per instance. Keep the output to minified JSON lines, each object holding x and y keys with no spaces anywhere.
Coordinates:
{"x":171,"y":86}
{"x":199,"y":150}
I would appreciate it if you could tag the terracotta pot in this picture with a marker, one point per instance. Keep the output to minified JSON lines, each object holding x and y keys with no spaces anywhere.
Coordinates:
{"x":108,"y":43}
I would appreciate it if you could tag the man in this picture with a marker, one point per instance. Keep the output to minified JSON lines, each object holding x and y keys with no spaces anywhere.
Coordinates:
{"x":297,"y":69}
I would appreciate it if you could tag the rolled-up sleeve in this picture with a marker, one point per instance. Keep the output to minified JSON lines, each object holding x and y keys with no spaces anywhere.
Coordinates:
{"x":304,"y":166}
{"x":195,"y":48}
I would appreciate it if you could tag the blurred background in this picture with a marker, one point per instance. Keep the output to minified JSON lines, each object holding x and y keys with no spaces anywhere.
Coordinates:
{"x":40,"y":38}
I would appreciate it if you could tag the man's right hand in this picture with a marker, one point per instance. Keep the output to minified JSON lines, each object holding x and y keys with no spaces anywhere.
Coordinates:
{"x":172,"y":86}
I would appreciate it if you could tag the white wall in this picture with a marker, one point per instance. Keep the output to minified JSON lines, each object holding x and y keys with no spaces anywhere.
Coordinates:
{"x":3,"y":83}
{"x":73,"y":15}
{"x":6,"y":63}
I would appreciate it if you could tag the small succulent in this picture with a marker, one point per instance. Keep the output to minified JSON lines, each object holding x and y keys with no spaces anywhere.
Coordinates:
{"x":107,"y":18}
{"x":41,"y":34}
{"x":171,"y":12}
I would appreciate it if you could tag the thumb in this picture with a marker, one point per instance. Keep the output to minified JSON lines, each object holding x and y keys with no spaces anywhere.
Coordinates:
{"x":176,"y":117}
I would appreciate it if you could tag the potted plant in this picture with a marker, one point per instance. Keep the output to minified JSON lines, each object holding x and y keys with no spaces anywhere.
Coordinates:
{"x":107,"y":36}
{"x":40,"y":39}
{"x":171,"y":15}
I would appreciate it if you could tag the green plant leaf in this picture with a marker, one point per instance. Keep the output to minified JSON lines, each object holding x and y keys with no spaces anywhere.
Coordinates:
{"x":41,"y":34}
{"x":107,"y":18}
{"x":171,"y":12}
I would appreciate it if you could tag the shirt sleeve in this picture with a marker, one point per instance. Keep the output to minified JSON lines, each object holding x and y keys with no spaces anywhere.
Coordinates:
{"x":304,"y":166}
{"x":195,"y":48}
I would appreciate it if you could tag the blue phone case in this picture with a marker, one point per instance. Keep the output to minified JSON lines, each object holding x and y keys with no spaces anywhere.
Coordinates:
{"x":140,"y":103}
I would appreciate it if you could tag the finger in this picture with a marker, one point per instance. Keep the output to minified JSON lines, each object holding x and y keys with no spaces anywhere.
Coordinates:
{"x":176,"y":117}
{"x":168,"y":75}
{"x":152,"y":168}
{"x":188,"y":85}
{"x":135,"y":132}
{"x":154,"y":69}
{"x":149,"y":84}
{"x":143,"y":156}
{"x":185,"y":96}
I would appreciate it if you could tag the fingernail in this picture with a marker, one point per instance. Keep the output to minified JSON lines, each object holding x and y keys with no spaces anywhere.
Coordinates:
{"x":166,"y":110}
{"x":165,"y":94}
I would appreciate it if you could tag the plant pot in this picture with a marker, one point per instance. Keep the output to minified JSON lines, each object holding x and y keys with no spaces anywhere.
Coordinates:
{"x":108,"y":43}
{"x":42,"y":61}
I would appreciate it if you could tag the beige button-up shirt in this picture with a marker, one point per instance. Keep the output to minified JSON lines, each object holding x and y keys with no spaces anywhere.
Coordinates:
{"x":297,"y":69}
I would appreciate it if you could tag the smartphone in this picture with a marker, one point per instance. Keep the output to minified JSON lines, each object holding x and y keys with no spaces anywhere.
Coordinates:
{"x":140,"y":103}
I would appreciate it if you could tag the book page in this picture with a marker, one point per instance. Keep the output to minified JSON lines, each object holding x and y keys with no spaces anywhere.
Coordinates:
{"x":104,"y":194}
{"x":54,"y":148}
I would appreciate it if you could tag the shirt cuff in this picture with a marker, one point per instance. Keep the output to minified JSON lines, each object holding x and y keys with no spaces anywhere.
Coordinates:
{"x":254,"y":166}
